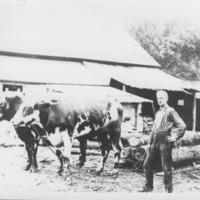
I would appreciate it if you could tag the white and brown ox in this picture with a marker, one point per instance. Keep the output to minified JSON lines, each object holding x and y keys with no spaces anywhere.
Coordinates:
{"x":81,"y":118}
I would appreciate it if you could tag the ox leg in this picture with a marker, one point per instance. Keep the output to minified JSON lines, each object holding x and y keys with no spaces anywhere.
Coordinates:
{"x":26,"y":135}
{"x":116,"y":146}
{"x":117,"y":151}
{"x":34,"y":166}
{"x":35,"y":155}
{"x":60,"y":158}
{"x":29,"y":161}
{"x":31,"y":144}
{"x":105,"y":149}
{"x":83,"y":146}
{"x":36,"y":131}
{"x":66,"y":153}
{"x":31,"y":148}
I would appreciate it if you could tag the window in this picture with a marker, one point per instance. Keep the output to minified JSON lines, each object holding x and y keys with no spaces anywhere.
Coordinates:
{"x":7,"y":87}
{"x":180,"y":102}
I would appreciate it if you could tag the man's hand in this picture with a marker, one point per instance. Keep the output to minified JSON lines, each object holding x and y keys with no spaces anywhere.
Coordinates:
{"x":171,"y":138}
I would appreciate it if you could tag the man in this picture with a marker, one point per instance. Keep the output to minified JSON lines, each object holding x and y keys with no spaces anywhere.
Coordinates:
{"x":161,"y":142}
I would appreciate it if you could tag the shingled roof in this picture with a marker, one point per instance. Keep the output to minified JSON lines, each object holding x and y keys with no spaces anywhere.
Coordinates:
{"x":26,"y":29}
{"x":141,"y":77}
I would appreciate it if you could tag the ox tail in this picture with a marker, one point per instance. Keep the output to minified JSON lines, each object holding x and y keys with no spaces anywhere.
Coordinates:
{"x":120,"y":112}
{"x":90,"y":135}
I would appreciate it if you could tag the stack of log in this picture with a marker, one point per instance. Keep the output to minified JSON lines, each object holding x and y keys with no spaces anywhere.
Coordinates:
{"x":133,"y":157}
{"x":147,"y":124}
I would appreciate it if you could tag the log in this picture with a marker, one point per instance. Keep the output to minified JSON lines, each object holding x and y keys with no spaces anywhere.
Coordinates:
{"x":181,"y":156}
{"x":185,"y":155}
{"x":135,"y":139}
{"x":190,"y":138}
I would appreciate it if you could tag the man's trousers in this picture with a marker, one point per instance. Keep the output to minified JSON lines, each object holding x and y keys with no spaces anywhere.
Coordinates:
{"x":159,"y":151}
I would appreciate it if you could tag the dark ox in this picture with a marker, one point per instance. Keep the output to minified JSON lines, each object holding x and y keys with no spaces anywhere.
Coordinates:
{"x":8,"y":108}
{"x":80,"y":118}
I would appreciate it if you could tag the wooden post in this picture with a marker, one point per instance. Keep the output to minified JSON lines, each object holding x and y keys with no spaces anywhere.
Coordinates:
{"x":194,"y":117}
{"x":1,"y":87}
{"x":154,"y":111}
{"x":124,"y":88}
{"x":139,"y":123}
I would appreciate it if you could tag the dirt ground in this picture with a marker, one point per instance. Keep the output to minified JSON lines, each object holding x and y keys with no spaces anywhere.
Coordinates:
{"x":14,"y":180}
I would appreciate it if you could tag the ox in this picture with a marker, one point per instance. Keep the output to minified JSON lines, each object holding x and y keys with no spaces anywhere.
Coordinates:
{"x":8,"y":108}
{"x":75,"y":118}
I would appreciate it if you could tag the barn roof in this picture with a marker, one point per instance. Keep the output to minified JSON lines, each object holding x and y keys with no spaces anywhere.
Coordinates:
{"x":30,"y":30}
{"x":142,"y":77}
{"x":39,"y":71}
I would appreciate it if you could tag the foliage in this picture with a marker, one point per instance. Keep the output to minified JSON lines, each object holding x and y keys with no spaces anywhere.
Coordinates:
{"x":175,"y":46}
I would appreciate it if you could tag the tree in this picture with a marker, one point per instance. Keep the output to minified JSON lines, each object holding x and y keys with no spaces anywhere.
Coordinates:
{"x":175,"y":46}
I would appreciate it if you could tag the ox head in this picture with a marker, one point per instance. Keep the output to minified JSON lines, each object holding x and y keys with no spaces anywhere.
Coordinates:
{"x":26,"y":114}
{"x":3,"y":106}
{"x":9,"y":107}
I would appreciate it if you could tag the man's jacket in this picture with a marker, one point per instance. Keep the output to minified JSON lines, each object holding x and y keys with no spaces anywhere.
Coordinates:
{"x":166,"y":119}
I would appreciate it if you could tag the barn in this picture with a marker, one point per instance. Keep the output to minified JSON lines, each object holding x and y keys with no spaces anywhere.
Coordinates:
{"x":85,"y":52}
